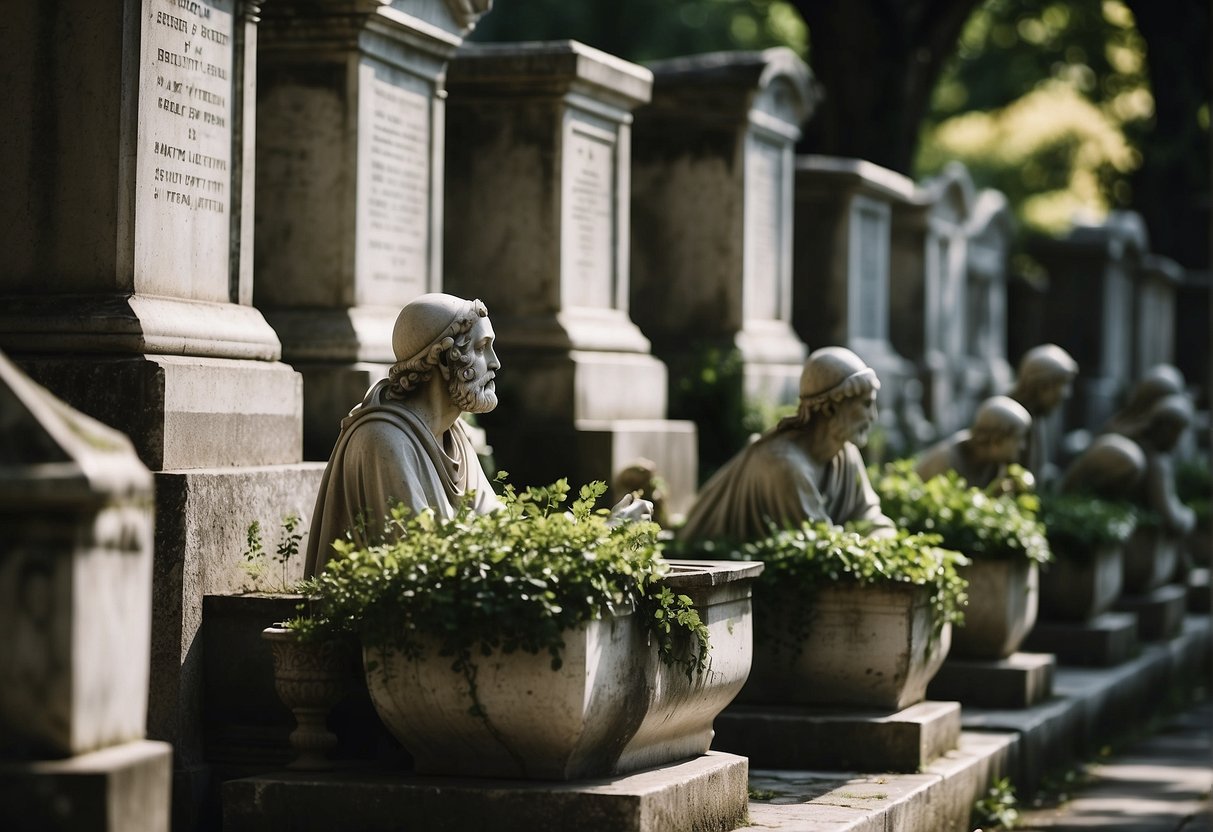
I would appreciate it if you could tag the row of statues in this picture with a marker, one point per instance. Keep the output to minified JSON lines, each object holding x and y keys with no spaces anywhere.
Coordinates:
{"x":406,"y":442}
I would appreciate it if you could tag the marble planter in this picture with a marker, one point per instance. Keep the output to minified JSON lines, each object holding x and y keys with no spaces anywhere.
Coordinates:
{"x":612,"y":707}
{"x":310,"y":679}
{"x":1079,"y":590}
{"x":866,"y":646}
{"x":1003,"y":600}
{"x":1151,"y":558}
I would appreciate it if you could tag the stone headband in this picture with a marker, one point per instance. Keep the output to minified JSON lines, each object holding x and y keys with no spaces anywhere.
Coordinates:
{"x":856,"y":384}
{"x":414,"y":371}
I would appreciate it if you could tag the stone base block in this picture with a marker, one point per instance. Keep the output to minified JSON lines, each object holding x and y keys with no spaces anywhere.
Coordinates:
{"x":597,"y":450}
{"x":124,"y":788}
{"x":834,"y":738}
{"x":185,"y":412}
{"x":1105,"y":640}
{"x":1018,"y":681}
{"x":1160,"y":612}
{"x":581,"y":384}
{"x":704,"y":794}
{"x":1200,"y":592}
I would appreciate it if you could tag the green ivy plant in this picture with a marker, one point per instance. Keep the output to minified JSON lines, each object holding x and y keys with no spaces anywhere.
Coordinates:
{"x":1078,"y":524}
{"x":801,"y":560}
{"x":994,"y":526}
{"x":513,"y":579}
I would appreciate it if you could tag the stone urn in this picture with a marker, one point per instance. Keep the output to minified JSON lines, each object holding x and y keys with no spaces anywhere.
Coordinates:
{"x":1079,"y":588}
{"x":865,"y":646}
{"x":1150,"y":560}
{"x":1003,"y":601}
{"x":612,"y":707}
{"x":310,"y":679}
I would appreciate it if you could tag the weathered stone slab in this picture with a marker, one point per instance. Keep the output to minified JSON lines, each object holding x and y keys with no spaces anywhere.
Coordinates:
{"x":1160,"y":612}
{"x":1018,"y":681}
{"x":825,"y":738}
{"x":123,"y":787}
{"x":1107,"y":639}
{"x":699,"y":795}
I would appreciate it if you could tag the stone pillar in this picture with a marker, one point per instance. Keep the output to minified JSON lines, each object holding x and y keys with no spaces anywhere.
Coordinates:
{"x":928,"y":277}
{"x":1158,"y":281}
{"x":843,"y":252}
{"x":350,"y":117}
{"x":126,"y":196}
{"x":537,"y":226}
{"x":990,"y":231}
{"x":1094,"y":268}
{"x":712,"y":179}
{"x":75,"y":609}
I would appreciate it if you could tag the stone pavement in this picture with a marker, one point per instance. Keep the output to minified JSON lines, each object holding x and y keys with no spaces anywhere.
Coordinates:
{"x":1157,"y":784}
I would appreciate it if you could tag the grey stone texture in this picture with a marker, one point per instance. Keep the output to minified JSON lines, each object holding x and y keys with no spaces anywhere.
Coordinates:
{"x":712,"y":178}
{"x":1108,"y":639}
{"x":1160,"y":612}
{"x":1018,"y":681}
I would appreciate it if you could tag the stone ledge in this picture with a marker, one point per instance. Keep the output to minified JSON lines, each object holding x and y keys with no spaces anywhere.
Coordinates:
{"x":1160,"y":612}
{"x":1106,"y":640}
{"x":791,"y":737}
{"x":1018,"y":681}
{"x":701,"y":795}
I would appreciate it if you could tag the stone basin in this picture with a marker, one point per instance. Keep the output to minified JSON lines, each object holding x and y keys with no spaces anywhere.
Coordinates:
{"x":1080,"y":589}
{"x":613,"y":706}
{"x":1003,"y":601}
{"x":1151,"y":557}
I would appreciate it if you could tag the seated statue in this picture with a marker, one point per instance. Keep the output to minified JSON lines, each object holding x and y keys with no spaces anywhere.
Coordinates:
{"x":1160,"y":381}
{"x":1160,"y":431}
{"x":405,"y":443}
{"x":805,"y":468}
{"x":982,"y":453}
{"x":1110,"y":468}
{"x":1043,"y":382}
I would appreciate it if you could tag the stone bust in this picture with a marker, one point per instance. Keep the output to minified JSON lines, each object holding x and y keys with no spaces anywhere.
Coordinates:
{"x":807,"y":467}
{"x":1159,"y":381}
{"x":1043,"y":382}
{"x":1110,"y":468}
{"x":981,"y":453}
{"x":1161,"y":429}
{"x":405,"y":443}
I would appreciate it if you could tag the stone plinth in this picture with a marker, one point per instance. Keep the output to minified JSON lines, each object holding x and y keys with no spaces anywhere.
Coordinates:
{"x":1160,"y":612}
{"x":349,"y":198}
{"x":837,"y":738}
{"x":712,"y":180}
{"x":841,"y":269}
{"x":703,"y":794}
{"x":124,"y":787}
{"x":539,"y":145}
{"x":1108,"y":639}
{"x":1021,"y":680}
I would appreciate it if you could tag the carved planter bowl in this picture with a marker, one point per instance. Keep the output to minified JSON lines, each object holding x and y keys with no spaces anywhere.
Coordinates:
{"x":1151,"y":558}
{"x":309,"y":679}
{"x":865,"y":646}
{"x":1079,"y":589}
{"x":1003,"y":602}
{"x":612,"y":707}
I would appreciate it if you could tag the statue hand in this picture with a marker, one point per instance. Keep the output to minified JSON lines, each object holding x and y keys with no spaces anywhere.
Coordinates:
{"x":630,"y":510}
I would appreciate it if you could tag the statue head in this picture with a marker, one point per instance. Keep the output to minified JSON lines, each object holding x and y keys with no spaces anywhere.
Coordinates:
{"x":1045,"y":375}
{"x":1109,"y":468}
{"x":1160,"y":381}
{"x":1166,"y":422}
{"x":439,"y":332}
{"x":1000,"y":429}
{"x":838,"y":386}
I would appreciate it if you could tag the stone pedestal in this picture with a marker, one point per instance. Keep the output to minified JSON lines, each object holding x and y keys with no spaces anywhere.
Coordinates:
{"x":838,"y":738}
{"x":712,"y":180}
{"x":700,"y":795}
{"x":537,"y":226}
{"x":1106,"y":640}
{"x":350,"y":178}
{"x":1160,"y":612}
{"x":1021,"y":680}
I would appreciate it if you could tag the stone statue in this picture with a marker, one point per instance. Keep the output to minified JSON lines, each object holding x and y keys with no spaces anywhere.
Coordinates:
{"x":1046,"y":375}
{"x":982,"y":453}
{"x":805,"y":468}
{"x":1161,"y":429}
{"x":1159,"y":381}
{"x":640,"y":476}
{"x":1110,"y":469}
{"x":405,"y":442}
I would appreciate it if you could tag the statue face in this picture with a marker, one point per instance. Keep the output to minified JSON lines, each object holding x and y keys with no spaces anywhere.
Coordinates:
{"x":471,"y":386}
{"x":1009,"y":448}
{"x":855,"y":416}
{"x":1053,"y":394}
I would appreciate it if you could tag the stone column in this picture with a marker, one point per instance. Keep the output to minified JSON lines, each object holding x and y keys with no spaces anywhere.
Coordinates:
{"x":990,"y":231}
{"x":712,"y":213}
{"x":929,"y":275}
{"x":350,"y":121}
{"x":1094,"y":268}
{"x":537,"y":226}
{"x":126,"y":176}
{"x":75,"y":609}
{"x":842,"y":266}
{"x":1158,"y":281}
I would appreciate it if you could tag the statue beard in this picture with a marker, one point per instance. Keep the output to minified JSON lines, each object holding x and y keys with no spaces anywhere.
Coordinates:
{"x":474,"y":396}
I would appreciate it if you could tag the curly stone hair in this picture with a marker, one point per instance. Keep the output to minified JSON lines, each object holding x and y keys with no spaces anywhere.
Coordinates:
{"x":447,"y":353}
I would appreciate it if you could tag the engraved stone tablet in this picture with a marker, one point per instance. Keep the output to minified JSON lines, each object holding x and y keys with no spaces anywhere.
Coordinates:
{"x":764,"y":238}
{"x":588,"y":244}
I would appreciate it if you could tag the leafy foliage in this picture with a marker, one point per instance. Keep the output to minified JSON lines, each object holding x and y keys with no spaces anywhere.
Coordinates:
{"x":1078,"y":524}
{"x":799,"y":561}
{"x":966,"y":519}
{"x":1194,"y":485}
{"x":997,"y":809}
{"x":513,"y":579}
{"x":254,"y":563}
